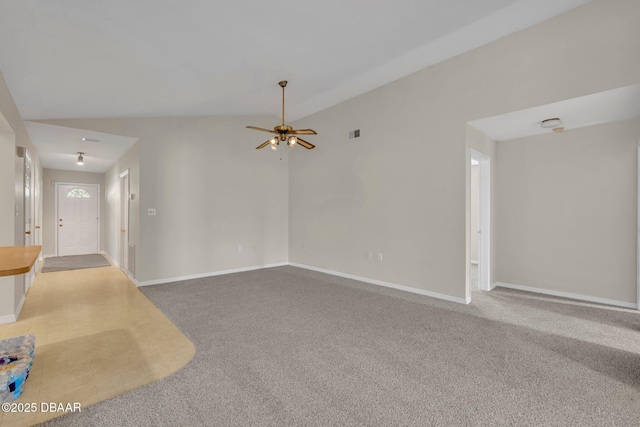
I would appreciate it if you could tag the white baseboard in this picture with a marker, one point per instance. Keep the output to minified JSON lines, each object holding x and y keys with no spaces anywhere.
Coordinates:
{"x":567,"y":295}
{"x":116,"y":264}
{"x":19,"y":308}
{"x":493,"y":286}
{"x":385,"y":284}
{"x":49,"y":256}
{"x":8,"y":318}
{"x":12,"y":318}
{"x":133,"y":279}
{"x":110,"y":258}
{"x":210,"y":274}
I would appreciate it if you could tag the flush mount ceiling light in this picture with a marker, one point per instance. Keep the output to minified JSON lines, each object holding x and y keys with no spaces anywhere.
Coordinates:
{"x":90,"y":140}
{"x":284,"y":132}
{"x":80,"y":158}
{"x":554,"y":124}
{"x":550,"y":123}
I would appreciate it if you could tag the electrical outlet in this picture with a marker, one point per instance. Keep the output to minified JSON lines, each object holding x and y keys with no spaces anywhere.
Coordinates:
{"x":379,"y":257}
{"x":240,"y":248}
{"x":151,"y":211}
{"x":367,"y":255}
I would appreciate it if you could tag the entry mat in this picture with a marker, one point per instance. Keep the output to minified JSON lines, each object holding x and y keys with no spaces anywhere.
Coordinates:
{"x":74,"y":262}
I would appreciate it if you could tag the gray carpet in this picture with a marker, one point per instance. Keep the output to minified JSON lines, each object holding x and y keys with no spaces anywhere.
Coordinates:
{"x":290,"y":347}
{"x":74,"y":262}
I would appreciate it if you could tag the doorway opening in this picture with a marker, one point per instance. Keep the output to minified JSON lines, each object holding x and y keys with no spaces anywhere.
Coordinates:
{"x":479,"y":236}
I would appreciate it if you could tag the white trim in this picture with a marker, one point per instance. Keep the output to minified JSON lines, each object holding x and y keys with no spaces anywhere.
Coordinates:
{"x":133,"y":279}
{"x":210,"y":274}
{"x":125,"y":202}
{"x":28,"y":284}
{"x":49,"y":256}
{"x":7,"y":318}
{"x":567,"y":295}
{"x":19,"y":308}
{"x":484,"y":220}
{"x":109,"y":258}
{"x":493,"y":286}
{"x":126,"y":273}
{"x":386,"y":284}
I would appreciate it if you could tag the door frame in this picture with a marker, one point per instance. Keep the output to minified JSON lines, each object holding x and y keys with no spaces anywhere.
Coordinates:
{"x":28,"y":197}
{"x":56,"y":216}
{"x":484,"y":220}
{"x":638,"y":238}
{"x":124,"y":206}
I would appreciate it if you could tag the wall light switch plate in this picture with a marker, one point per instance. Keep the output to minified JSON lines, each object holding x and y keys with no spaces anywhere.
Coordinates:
{"x":379,"y":257}
{"x":151,"y":212}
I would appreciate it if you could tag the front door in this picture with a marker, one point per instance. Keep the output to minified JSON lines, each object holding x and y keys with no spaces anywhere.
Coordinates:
{"x":78,"y":219}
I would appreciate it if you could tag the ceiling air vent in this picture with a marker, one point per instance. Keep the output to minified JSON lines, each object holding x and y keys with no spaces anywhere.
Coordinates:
{"x":354,"y":134}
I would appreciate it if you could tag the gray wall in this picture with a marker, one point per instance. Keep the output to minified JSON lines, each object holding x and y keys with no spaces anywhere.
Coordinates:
{"x":50,"y":177}
{"x":12,"y":227}
{"x":400,"y":189}
{"x":567,"y":211}
{"x":131,"y":162}
{"x":212,"y":192}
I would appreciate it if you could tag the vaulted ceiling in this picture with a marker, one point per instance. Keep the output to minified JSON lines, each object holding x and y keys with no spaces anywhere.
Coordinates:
{"x":123,"y":58}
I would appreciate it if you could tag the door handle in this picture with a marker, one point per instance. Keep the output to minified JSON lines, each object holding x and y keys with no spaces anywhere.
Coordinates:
{"x":27,"y":232}
{"x":37,"y":227}
{"x":60,"y":225}
{"x":123,"y":230}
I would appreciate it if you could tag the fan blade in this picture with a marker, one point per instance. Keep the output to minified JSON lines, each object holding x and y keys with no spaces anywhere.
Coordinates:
{"x":305,"y":144}
{"x":263,"y":145}
{"x":261,"y":129}
{"x":304,"y":132}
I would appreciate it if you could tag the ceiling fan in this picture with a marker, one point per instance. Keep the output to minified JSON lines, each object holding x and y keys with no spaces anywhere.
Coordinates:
{"x":285,"y":133}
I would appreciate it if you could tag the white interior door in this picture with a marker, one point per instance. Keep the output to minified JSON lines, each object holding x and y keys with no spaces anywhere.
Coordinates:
{"x":78,"y":220}
{"x":124,"y":221}
{"x":27,"y":200}
{"x":28,"y":213}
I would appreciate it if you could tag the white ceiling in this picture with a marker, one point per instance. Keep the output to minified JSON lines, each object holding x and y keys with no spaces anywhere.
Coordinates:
{"x":603,"y":107}
{"x":144,"y":58}
{"x":72,"y":59}
{"x":58,"y":147}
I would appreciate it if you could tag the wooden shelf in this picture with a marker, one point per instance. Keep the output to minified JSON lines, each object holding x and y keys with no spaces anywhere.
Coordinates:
{"x":17,"y":259}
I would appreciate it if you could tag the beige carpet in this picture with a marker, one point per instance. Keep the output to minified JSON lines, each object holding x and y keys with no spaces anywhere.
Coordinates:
{"x":290,"y":347}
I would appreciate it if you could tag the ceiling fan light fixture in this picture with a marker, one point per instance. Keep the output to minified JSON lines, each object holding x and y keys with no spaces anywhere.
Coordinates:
{"x":284,"y":132}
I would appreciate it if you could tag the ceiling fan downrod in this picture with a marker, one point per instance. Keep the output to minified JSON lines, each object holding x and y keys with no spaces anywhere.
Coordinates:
{"x":283,"y":84}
